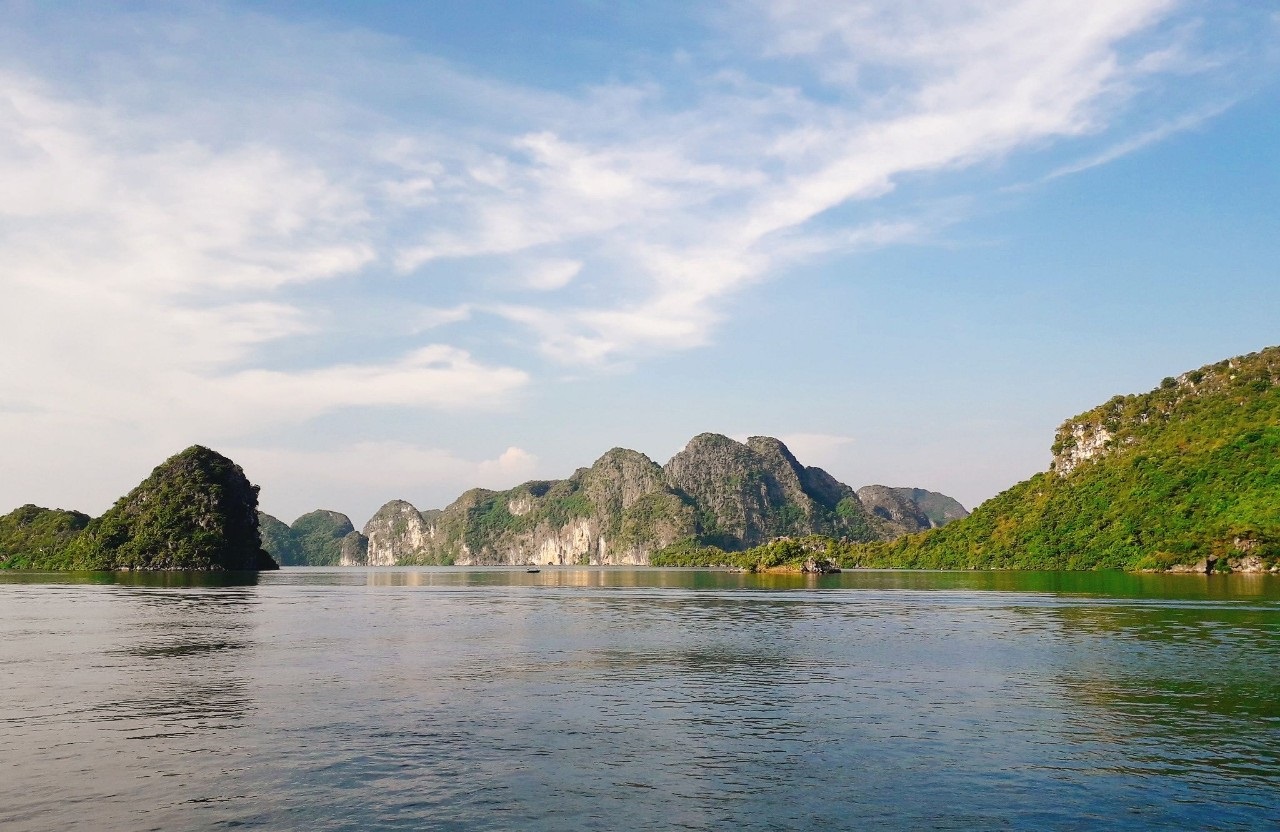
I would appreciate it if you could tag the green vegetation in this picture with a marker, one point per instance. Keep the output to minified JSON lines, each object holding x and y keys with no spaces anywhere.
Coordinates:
{"x":279,"y":541}
{"x":783,"y":553}
{"x":691,"y":552}
{"x":196,"y":511}
{"x":556,"y":504}
{"x":644,"y":523}
{"x":32,"y":535}
{"x":488,"y":519}
{"x":1187,"y":473}
{"x":318,"y":537}
{"x":853,"y":520}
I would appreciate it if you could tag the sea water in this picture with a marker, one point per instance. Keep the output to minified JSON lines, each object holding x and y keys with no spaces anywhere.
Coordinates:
{"x":592,"y":699}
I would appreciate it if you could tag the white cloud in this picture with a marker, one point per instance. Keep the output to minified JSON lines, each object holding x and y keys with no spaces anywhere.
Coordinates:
{"x":432,"y":317}
{"x":432,"y":376}
{"x":683,"y":208}
{"x":513,"y":466}
{"x":820,"y":449}
{"x":175,"y":222}
{"x":133,"y":269}
{"x":550,"y":275}
{"x":1135,"y":143}
{"x":358,"y":478}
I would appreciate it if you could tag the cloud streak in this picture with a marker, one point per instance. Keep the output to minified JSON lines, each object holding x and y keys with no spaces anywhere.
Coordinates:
{"x":206,"y":243}
{"x":348,"y":477}
{"x":685,"y":207}
{"x":139,"y":273}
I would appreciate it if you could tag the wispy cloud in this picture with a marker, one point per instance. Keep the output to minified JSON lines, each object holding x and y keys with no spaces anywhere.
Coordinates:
{"x":1132,"y":144}
{"x":144,"y":279}
{"x":684,"y":207}
{"x":186,"y":226}
{"x":351,"y":477}
{"x":819,"y":449}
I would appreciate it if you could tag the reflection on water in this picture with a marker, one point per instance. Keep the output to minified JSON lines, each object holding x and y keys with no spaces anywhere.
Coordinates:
{"x":1188,"y":692}
{"x":1160,"y":586}
{"x":148,"y":579}
{"x":121,"y":684}
{"x":579,"y":698}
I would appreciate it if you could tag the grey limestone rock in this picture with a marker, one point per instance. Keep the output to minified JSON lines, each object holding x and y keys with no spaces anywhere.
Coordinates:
{"x":355,"y":551}
{"x":398,"y":532}
{"x":750,"y":493}
{"x":621,"y":510}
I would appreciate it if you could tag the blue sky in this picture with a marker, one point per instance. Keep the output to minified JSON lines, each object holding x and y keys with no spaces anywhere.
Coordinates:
{"x":394,"y":250}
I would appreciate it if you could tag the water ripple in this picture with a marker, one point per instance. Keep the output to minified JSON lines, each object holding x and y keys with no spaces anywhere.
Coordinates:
{"x":605,"y":699}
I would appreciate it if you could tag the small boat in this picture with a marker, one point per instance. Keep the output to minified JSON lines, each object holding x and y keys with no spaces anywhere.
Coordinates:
{"x":532,"y":571}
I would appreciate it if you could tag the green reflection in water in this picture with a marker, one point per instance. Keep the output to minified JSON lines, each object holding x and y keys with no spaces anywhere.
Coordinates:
{"x":1113,"y":584}
{"x":169,"y":580}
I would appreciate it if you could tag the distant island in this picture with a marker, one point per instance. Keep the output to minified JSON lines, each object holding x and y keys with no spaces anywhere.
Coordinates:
{"x":624,"y":509}
{"x":1185,"y":477}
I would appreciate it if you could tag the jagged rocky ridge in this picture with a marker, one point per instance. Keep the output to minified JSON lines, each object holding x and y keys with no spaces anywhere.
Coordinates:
{"x":910,"y":510}
{"x":621,"y":510}
{"x":196,"y":511}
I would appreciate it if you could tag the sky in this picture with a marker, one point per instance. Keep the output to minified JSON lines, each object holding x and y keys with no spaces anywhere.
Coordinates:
{"x":394,"y":250}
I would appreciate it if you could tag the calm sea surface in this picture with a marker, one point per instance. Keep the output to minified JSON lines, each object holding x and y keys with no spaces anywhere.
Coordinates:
{"x":639,"y":699}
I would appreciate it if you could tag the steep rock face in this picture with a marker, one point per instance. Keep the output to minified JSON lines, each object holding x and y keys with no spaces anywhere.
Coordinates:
{"x":1080,"y":442}
{"x":750,"y":493}
{"x":196,"y":511}
{"x":910,"y":510}
{"x":354,"y":551}
{"x":319,"y":536}
{"x":31,"y":535}
{"x":279,"y":541}
{"x":939,"y":508}
{"x":618,"y":511}
{"x":397,"y":532}
{"x":893,"y":508}
{"x":634,"y":512}
{"x":725,"y":480}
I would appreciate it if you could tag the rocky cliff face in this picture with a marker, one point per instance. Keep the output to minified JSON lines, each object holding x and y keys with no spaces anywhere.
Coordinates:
{"x":1080,"y":442}
{"x":626,"y":507}
{"x":894,"y":510}
{"x":750,"y":493}
{"x":354,"y":551}
{"x":615,"y":512}
{"x":939,"y":508}
{"x":397,"y":531}
{"x":909,"y":510}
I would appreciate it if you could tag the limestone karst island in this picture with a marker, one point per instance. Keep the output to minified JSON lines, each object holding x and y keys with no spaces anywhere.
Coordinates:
{"x":1185,"y":477}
